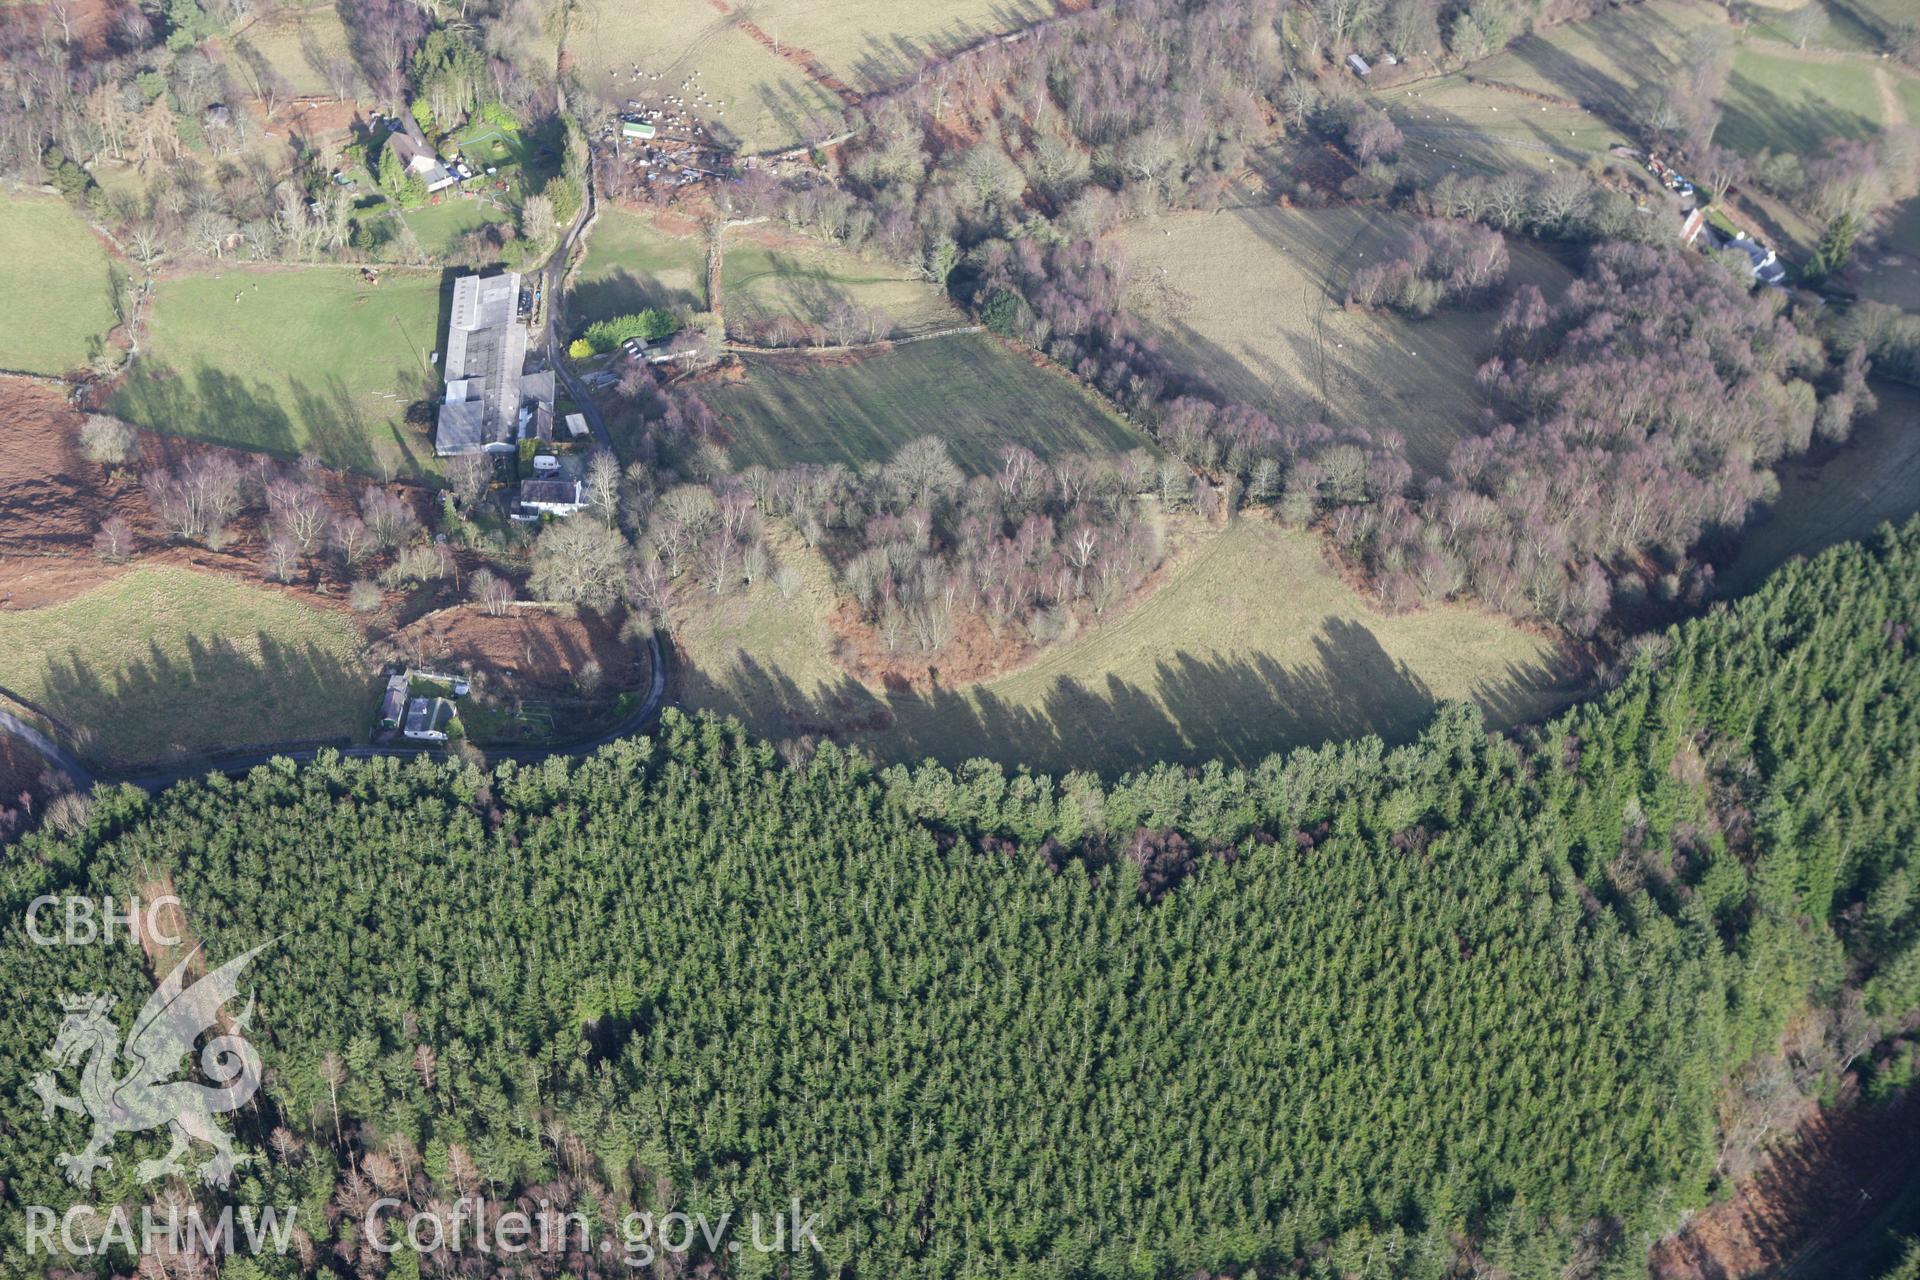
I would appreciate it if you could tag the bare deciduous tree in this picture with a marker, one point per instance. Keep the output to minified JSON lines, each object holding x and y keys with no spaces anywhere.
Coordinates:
{"x":491,"y":592}
{"x":922,"y":471}
{"x":650,"y":592}
{"x":390,"y":520}
{"x":282,"y":558}
{"x":198,"y":499}
{"x":114,"y":541}
{"x":579,"y":562}
{"x":107,"y":440}
{"x":603,"y":485}
{"x":350,"y":539}
{"x":298,"y":514}
{"x":471,"y":475}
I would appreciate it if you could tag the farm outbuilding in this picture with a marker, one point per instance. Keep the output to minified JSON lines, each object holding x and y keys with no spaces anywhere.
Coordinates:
{"x":490,"y":400}
{"x":393,"y":706}
{"x":637,"y":130}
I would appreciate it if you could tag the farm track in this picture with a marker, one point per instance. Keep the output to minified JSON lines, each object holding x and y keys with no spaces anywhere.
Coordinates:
{"x":1324,"y":307}
{"x":881,"y":344}
{"x":1893,"y":111}
{"x":56,"y":756}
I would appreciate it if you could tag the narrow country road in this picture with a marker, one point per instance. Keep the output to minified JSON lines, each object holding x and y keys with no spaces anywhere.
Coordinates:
{"x":156,"y":780}
{"x":55,"y":755}
{"x":554,"y":286}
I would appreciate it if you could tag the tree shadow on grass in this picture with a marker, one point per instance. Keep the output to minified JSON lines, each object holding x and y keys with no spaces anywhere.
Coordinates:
{"x":1648,"y":43}
{"x":212,"y":699}
{"x":226,"y":409}
{"x":1238,"y":708}
{"x":803,"y":117}
{"x":889,"y":60}
{"x":622,"y":292}
{"x":1324,"y":365}
{"x":802,"y":290}
{"x":1756,"y":116}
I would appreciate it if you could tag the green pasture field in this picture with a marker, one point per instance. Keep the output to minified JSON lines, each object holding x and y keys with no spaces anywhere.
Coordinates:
{"x":874,"y":44}
{"x":1608,"y":63}
{"x":969,"y":390}
{"x":767,"y":76}
{"x":766,"y":274}
{"x":1787,"y":103}
{"x":58,"y":283}
{"x":1887,"y":268}
{"x":755,"y":99}
{"x":1615,"y":64}
{"x":1839,"y":27}
{"x":162,"y":663}
{"x":283,"y":35}
{"x":292,"y":360}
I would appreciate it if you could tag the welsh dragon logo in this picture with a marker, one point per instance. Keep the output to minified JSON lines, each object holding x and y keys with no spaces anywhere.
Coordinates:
{"x":146,"y":1096}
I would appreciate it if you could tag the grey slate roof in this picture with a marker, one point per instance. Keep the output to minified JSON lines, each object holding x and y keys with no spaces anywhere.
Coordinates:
{"x":485,"y":358}
{"x":550,"y":492}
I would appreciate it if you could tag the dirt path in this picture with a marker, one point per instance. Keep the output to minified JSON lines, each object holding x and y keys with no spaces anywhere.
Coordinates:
{"x":882,"y":344}
{"x":1893,"y":111}
{"x":1323,"y":304}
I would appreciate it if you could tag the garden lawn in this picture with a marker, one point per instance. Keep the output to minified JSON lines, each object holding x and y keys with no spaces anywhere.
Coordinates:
{"x":57,"y":282}
{"x":289,"y":361}
{"x":485,"y":144}
{"x":438,"y":227}
{"x":969,"y":390}
{"x":164,"y":663}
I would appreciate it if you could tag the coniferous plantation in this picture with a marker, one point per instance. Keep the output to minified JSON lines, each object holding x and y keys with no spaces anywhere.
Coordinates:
{"x":1469,"y":1003}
